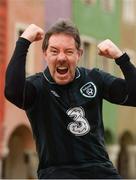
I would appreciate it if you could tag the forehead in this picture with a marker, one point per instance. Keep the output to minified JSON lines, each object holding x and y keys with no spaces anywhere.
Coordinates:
{"x":62,"y":40}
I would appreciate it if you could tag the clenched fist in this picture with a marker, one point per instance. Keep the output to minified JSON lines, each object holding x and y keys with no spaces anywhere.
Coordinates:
{"x":109,"y":50}
{"x":33,"y":33}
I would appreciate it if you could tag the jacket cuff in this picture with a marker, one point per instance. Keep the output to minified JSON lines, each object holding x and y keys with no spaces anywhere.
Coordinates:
{"x":122,"y":59}
{"x":24,"y":41}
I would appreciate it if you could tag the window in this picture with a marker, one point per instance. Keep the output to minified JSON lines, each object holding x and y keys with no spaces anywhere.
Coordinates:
{"x":89,"y":52}
{"x":129,"y":11}
{"x":85,"y":58}
{"x":108,"y":5}
{"x":30,"y":65}
{"x":88,"y":2}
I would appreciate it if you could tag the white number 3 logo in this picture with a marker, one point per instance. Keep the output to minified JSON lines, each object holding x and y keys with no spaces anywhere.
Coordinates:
{"x":80,"y":126}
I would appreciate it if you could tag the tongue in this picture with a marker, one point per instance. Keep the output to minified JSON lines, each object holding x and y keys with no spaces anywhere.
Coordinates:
{"x":62,"y":71}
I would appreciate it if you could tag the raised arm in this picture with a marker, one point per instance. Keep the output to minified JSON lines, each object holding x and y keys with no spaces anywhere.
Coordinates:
{"x":15,"y":83}
{"x":121,"y":91}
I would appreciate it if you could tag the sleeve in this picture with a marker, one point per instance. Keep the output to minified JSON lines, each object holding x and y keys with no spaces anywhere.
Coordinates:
{"x":121,"y":91}
{"x":17,"y":90}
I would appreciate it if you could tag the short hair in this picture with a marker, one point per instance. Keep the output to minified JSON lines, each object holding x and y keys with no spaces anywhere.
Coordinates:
{"x":62,"y":26}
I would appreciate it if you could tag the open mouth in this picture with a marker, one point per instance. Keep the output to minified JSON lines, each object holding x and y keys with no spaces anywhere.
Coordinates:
{"x":62,"y":70}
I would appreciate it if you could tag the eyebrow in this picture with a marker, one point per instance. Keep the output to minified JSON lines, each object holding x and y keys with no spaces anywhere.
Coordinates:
{"x":52,"y":47}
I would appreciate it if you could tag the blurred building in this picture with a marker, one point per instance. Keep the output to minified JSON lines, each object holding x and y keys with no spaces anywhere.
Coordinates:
{"x":3,"y":53}
{"x":126,"y":128}
{"x":18,"y":155}
{"x":100,"y":20}
{"x":97,"y":20}
{"x":17,"y":148}
{"x":55,"y":9}
{"x":113,"y":19}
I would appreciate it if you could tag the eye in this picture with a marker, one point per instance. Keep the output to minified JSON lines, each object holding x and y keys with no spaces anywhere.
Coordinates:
{"x":69,"y":52}
{"x":54,"y":52}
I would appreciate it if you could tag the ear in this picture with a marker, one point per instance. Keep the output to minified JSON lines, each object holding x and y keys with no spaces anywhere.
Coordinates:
{"x":80,"y":53}
{"x":44,"y":55}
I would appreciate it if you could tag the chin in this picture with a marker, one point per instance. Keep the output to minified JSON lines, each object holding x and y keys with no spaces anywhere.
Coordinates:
{"x":63,"y":82}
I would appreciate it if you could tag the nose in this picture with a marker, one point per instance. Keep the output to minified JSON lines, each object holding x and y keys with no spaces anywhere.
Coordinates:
{"x":61,"y":57}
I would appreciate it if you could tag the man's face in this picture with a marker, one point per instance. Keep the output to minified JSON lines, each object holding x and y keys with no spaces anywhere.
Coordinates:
{"x":62,"y":57}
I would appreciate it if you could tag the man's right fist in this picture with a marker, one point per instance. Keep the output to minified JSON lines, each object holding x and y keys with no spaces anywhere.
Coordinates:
{"x":33,"y":33}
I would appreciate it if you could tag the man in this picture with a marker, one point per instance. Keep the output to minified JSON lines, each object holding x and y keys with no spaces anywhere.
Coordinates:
{"x":64,"y":103}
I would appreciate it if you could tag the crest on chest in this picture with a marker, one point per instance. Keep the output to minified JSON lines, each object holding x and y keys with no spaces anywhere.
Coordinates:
{"x":88,"y":90}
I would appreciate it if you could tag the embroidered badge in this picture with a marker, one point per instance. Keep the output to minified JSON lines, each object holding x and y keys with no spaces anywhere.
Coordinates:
{"x":88,"y":90}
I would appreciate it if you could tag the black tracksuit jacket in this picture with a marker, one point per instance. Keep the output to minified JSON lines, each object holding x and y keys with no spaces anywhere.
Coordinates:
{"x":67,"y":119}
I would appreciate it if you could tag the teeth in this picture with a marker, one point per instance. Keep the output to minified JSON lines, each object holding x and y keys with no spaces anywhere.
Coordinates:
{"x":62,"y":68}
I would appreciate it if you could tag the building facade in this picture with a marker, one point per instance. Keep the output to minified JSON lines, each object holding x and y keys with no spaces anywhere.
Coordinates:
{"x":3,"y":53}
{"x":55,"y":10}
{"x":98,"y":21}
{"x":113,"y":19}
{"x":127,"y":115}
{"x":18,"y":155}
